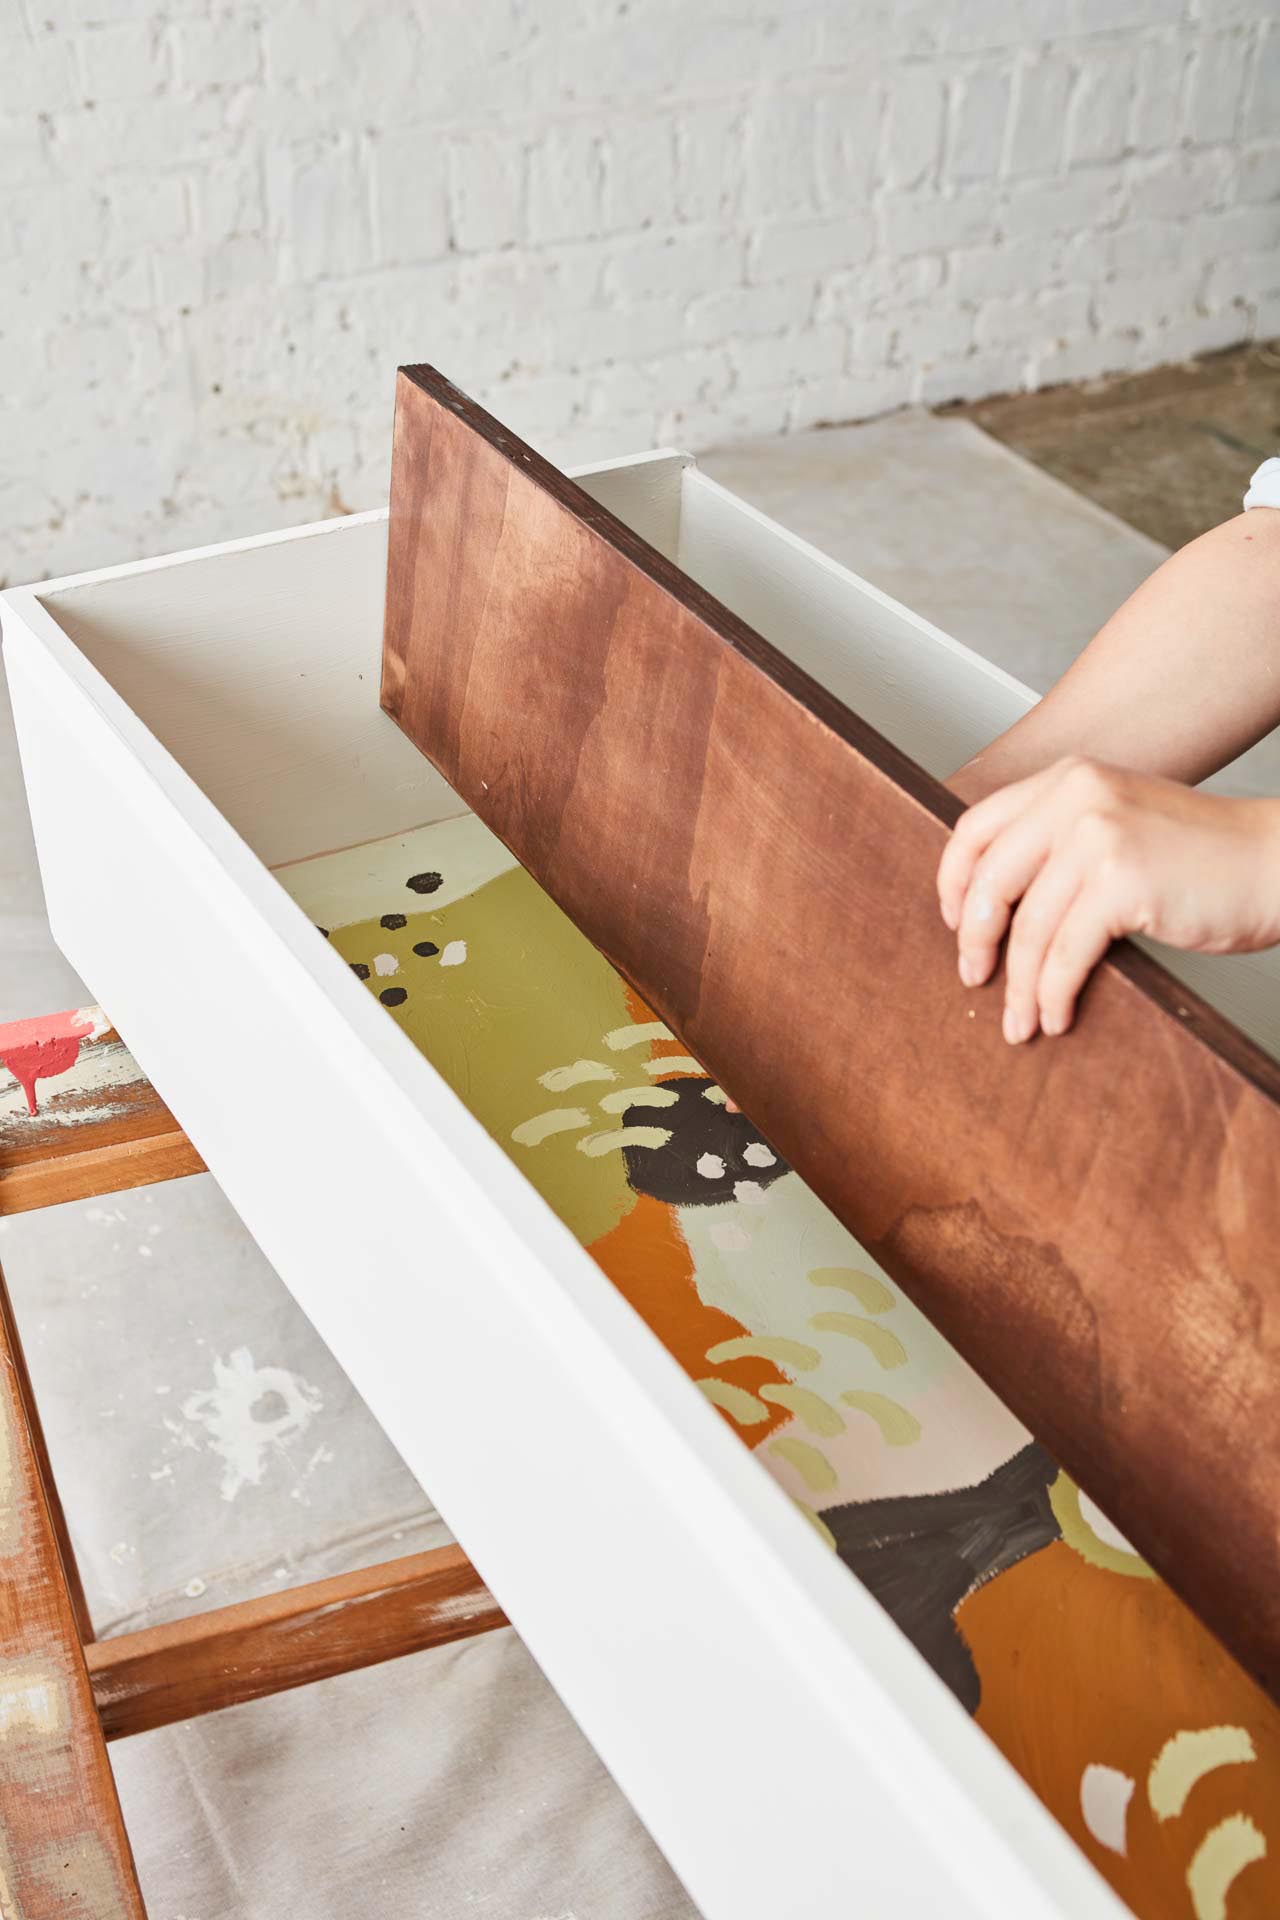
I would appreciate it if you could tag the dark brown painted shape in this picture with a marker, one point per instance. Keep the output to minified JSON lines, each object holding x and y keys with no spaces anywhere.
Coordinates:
{"x":1094,"y":1222}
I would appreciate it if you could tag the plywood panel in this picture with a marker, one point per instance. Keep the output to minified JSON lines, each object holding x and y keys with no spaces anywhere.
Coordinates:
{"x":1092,"y":1221}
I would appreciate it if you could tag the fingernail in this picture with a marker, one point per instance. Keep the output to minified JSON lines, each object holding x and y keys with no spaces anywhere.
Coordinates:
{"x":1052,"y":1024}
{"x":968,"y":972}
{"x":1016,"y":1027}
{"x":948,"y":917}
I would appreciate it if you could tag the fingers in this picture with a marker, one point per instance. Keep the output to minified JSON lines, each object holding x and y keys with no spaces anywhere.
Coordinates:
{"x":1036,"y":842}
{"x":1036,"y":925}
{"x":1083,"y":935}
{"x":972,"y":835}
{"x":1003,"y":875}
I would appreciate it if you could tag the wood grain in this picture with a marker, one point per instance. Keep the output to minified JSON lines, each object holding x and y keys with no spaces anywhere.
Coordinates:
{"x":259,"y":1647}
{"x":1093,"y":1222}
{"x":100,"y":1127}
{"x":63,"y":1847}
{"x":44,"y":1468}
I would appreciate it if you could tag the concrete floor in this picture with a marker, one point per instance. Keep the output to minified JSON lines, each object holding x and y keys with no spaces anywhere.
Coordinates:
{"x":1166,"y":451}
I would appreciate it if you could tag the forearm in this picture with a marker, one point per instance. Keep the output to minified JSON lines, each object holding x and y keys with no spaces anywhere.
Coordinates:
{"x":1183,"y":677}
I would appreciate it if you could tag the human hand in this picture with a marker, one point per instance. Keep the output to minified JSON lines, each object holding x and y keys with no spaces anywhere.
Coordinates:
{"x":1075,"y":856}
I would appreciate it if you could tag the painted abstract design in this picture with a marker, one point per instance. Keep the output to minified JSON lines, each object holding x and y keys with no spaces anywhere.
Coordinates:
{"x":1147,"y":1742}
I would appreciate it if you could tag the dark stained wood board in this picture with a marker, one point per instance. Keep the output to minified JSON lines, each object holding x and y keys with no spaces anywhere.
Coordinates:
{"x":1093,"y":1222}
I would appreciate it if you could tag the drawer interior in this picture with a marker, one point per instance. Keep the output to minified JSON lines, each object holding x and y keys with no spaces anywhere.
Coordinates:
{"x":258,"y":670}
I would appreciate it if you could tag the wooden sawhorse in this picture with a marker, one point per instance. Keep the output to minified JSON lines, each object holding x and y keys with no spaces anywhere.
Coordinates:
{"x":64,"y":1694}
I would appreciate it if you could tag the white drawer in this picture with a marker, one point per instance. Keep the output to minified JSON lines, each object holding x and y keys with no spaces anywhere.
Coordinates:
{"x":210,"y":779}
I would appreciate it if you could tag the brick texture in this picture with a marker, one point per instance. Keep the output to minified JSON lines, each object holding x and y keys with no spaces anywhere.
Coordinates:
{"x":617,"y":222}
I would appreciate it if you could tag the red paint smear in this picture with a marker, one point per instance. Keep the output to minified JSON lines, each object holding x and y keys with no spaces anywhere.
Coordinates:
{"x":37,"y":1049}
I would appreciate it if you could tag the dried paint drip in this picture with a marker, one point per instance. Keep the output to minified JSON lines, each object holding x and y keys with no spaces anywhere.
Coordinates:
{"x":249,"y":1414}
{"x":39,"y":1049}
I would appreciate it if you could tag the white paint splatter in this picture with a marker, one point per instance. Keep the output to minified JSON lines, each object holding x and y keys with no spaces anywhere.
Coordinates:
{"x":454,"y":954}
{"x":32,"y":1700}
{"x":194,"y":1588}
{"x":1105,"y":1794}
{"x":711,"y":1166}
{"x":756,"y":1154}
{"x":385,"y":963}
{"x":145,"y":1250}
{"x":749,"y":1192}
{"x":249,"y":1413}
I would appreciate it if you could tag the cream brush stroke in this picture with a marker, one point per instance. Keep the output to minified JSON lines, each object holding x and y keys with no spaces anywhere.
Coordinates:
{"x":736,"y":1401}
{"x":1222,"y":1856}
{"x":560,"y":1079}
{"x":674,"y":1063}
{"x":809,"y":1408}
{"x":541,"y":1126}
{"x":898,"y":1425}
{"x":885,"y":1347}
{"x":1186,"y":1758}
{"x":597,"y":1143}
{"x":868,"y":1289}
{"x":813,"y":1467}
{"x":637,"y":1035}
{"x":639,"y":1097}
{"x":765,"y":1346}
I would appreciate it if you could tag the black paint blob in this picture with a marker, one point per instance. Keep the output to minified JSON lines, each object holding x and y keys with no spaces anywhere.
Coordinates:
{"x":359,"y":969}
{"x":393,"y":996}
{"x":391,"y":921}
{"x":703,"y":1131}
{"x":426,"y":948}
{"x":922,"y":1554}
{"x":324,"y":931}
{"x":424,"y":882}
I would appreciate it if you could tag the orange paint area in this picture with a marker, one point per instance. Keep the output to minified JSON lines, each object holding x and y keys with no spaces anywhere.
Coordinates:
{"x":1084,"y":1667}
{"x":647,"y":1259}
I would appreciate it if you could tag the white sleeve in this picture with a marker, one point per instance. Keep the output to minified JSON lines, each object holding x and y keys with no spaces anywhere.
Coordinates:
{"x":1264,"y":488}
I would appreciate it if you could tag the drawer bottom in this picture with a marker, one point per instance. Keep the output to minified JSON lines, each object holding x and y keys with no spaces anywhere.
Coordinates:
{"x":1085,"y":1670}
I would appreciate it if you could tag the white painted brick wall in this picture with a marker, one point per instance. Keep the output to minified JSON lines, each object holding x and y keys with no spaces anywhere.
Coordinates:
{"x":618,"y":224}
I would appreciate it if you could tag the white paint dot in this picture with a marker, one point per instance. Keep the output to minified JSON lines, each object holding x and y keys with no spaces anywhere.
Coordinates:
{"x":193,"y":1589}
{"x":711,"y":1166}
{"x":756,"y":1154}
{"x":145,"y":1251}
{"x":749,"y":1192}
{"x":1096,"y":1520}
{"x":385,"y":963}
{"x":454,"y":954}
{"x":1105,"y":1794}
